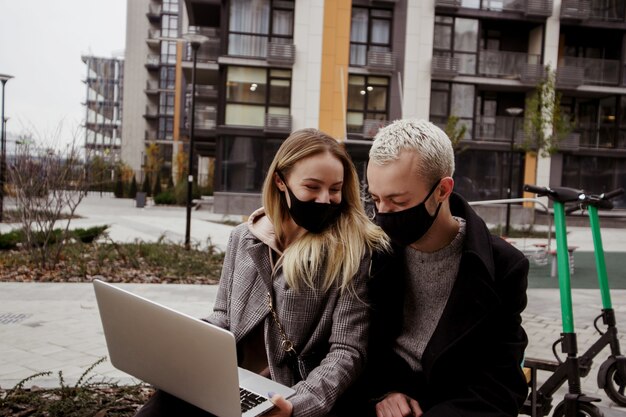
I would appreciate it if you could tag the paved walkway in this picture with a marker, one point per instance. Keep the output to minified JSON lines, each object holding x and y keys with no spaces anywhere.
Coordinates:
{"x":56,"y":327}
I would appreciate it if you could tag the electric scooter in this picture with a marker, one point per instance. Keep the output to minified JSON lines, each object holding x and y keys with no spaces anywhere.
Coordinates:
{"x":612,"y":373}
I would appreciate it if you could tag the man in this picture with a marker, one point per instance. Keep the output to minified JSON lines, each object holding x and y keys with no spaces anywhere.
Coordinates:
{"x":446,"y":338}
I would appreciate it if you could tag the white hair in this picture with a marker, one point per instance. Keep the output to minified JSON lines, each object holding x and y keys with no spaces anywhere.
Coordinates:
{"x":421,"y":136}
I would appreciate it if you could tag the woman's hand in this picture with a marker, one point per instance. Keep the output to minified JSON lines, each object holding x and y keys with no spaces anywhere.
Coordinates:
{"x":398,"y":405}
{"x":282,"y":407}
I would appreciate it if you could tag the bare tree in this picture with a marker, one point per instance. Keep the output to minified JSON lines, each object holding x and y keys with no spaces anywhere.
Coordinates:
{"x":49,"y":185}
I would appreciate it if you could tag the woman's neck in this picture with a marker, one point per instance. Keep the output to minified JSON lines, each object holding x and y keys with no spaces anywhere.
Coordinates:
{"x":291,"y":233}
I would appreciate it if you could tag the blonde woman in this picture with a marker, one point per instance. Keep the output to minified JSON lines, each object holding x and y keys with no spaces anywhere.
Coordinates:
{"x":308,"y":252}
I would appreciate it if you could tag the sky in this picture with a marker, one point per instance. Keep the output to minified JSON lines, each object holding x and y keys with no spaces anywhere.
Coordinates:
{"x":41,"y":44}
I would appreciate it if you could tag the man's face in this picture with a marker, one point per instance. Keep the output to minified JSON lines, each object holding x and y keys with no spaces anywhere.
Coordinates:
{"x":395,"y":186}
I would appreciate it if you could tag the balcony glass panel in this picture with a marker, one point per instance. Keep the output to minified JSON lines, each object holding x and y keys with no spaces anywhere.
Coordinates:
{"x":245,"y":115}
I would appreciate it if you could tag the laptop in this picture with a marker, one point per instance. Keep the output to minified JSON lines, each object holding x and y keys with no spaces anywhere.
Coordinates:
{"x":181,"y":355}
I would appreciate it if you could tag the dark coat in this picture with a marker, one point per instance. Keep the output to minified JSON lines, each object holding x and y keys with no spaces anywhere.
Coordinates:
{"x":472,"y":364}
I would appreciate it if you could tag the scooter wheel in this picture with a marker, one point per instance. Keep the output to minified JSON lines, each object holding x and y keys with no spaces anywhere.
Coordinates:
{"x":584,"y":410}
{"x":615,"y":385}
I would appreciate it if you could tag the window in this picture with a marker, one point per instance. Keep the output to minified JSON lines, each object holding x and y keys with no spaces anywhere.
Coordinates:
{"x":169,"y":26}
{"x":170,"y":6}
{"x":457,"y":37}
{"x":167,"y":81}
{"x":367,"y":100}
{"x":245,"y":162}
{"x":370,"y":30}
{"x":253,"y":92}
{"x":595,"y":174}
{"x":166,"y":128}
{"x":452,"y":99}
{"x":253,"y":24}
{"x":168,"y":52}
{"x":166,"y":104}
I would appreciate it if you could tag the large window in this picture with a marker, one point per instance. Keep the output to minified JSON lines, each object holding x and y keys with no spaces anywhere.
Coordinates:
{"x":244,"y":162}
{"x":254,"y":23}
{"x":169,"y":26}
{"x":598,"y":123}
{"x":453,"y":99}
{"x":595,"y":174}
{"x":484,"y":175}
{"x":367,"y":100}
{"x":168,"y":52}
{"x":370,"y":30}
{"x":253,"y":92}
{"x":458,"y":38}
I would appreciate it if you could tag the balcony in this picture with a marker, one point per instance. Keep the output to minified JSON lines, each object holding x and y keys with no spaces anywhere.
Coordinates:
{"x":539,"y":8}
{"x":574,"y":71}
{"x":372,"y":126}
{"x":153,"y":61}
{"x":154,"y":12}
{"x":152,"y":112}
{"x":281,"y":53}
{"x":498,"y":129}
{"x":570,"y":142}
{"x":444,"y":66}
{"x":209,"y":51}
{"x":598,"y":10}
{"x":154,"y":36}
{"x":152,"y":87}
{"x":380,"y":61}
{"x":277,"y":123}
{"x":205,"y":120}
{"x":204,"y":91}
{"x":511,"y":65}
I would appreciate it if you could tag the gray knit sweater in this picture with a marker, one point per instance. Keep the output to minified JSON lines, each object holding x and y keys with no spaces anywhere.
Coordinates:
{"x":430,"y":277}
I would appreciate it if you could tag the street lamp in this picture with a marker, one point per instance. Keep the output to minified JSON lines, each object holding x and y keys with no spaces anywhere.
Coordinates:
{"x":195,"y":40}
{"x":3,"y":151}
{"x":514,"y":112}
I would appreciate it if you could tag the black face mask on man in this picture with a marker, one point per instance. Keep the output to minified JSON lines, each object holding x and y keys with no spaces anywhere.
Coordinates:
{"x":407,"y":226}
{"x":310,"y":215}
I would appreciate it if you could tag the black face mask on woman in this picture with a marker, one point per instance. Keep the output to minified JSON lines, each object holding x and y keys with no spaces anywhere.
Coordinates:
{"x":310,"y":215}
{"x":407,"y":226}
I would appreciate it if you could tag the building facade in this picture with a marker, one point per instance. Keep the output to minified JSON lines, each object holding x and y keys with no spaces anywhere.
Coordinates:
{"x":348,"y":67}
{"x":103,"y":107}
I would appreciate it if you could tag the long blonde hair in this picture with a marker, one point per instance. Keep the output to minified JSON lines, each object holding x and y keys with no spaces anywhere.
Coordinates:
{"x":335,"y":254}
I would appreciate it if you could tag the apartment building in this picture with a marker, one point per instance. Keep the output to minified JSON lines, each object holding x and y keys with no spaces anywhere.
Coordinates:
{"x":103,"y":107}
{"x":348,"y":67}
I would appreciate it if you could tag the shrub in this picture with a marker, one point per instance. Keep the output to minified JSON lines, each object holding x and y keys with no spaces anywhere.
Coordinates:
{"x":166,"y":197}
{"x":11,"y":239}
{"x":157,"y":185}
{"x":119,"y":188}
{"x":90,"y":234}
{"x":181,"y":192}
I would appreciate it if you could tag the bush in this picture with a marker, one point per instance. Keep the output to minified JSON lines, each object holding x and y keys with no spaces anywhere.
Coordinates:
{"x":119,"y":188}
{"x":11,"y":239}
{"x":90,"y":234}
{"x":181,"y":192}
{"x":157,"y":185}
{"x":166,"y":197}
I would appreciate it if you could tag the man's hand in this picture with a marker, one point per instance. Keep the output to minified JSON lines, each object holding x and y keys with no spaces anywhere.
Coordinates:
{"x":398,"y":405}
{"x":282,"y":407}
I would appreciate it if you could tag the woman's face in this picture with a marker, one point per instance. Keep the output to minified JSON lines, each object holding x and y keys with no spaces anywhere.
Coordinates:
{"x":317,"y":178}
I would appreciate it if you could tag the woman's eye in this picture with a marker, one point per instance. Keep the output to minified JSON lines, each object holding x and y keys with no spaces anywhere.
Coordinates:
{"x":311,"y":187}
{"x":335,"y":191}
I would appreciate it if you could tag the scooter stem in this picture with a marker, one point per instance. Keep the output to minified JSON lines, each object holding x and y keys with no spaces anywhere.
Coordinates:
{"x":603,"y":280}
{"x":562,"y":257}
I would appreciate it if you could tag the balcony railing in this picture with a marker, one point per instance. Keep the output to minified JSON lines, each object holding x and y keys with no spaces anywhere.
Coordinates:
{"x":209,"y":51}
{"x":505,"y":64}
{"x":372,"y":126}
{"x":498,"y":129}
{"x":380,"y":61}
{"x":277,"y":123}
{"x":527,"y":7}
{"x":281,"y":53}
{"x":206,"y":91}
{"x":574,"y":71}
{"x":593,"y":10}
{"x":445,"y":66}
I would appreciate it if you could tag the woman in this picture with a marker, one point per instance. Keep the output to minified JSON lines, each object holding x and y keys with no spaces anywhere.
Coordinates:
{"x":296,"y":274}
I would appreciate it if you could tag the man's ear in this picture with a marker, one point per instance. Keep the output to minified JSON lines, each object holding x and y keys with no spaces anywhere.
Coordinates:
{"x":279,"y":183}
{"x":445,"y":188}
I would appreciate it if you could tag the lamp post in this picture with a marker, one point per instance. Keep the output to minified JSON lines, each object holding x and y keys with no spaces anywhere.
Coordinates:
{"x":514,"y":112}
{"x":195,"y":40}
{"x":3,"y":151}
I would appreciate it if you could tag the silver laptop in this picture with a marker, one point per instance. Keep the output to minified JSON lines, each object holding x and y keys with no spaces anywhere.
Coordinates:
{"x":186,"y":357}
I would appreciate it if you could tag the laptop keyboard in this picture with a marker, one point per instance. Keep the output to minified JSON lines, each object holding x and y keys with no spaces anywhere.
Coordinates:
{"x":249,"y":399}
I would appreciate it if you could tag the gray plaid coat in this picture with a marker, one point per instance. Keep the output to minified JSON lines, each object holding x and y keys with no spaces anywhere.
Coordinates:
{"x":329,"y":328}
